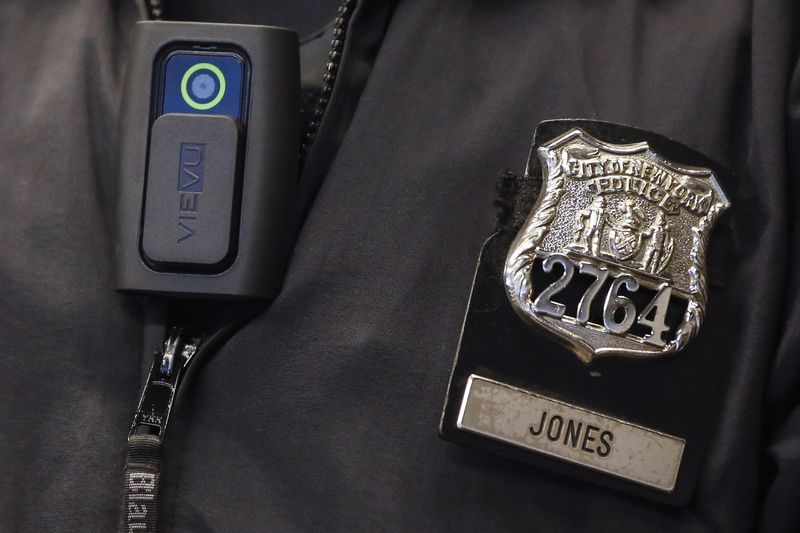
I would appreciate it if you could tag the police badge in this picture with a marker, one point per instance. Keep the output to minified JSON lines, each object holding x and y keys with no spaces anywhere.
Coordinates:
{"x":614,"y":213}
{"x":604,"y":249}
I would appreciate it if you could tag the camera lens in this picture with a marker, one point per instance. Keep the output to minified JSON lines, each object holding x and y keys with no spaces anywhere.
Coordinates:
{"x":203,"y":86}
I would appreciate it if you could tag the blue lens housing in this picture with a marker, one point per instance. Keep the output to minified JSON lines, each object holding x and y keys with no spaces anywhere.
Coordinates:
{"x":207,"y":83}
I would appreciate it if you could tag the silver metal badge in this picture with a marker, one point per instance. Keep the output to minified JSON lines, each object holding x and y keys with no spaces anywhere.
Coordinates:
{"x":627,"y":220}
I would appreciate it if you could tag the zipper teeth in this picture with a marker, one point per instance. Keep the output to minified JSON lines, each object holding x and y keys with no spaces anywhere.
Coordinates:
{"x":155,"y":9}
{"x":329,"y":79}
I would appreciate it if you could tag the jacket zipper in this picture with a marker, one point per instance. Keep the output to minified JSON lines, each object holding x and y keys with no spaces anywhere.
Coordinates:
{"x":155,"y":9}
{"x":329,"y":79}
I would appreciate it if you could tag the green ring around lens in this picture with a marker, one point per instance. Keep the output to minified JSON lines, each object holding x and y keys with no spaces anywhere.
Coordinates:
{"x":185,"y":93}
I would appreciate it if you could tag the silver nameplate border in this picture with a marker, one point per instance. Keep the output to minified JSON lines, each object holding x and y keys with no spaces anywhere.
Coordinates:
{"x":535,"y":422}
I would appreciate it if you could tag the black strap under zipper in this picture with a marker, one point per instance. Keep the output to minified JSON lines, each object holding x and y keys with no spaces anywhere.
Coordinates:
{"x":195,"y":330}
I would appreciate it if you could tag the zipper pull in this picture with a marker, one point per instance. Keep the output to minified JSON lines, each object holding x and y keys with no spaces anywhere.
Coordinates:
{"x":162,"y":383}
{"x":143,"y":464}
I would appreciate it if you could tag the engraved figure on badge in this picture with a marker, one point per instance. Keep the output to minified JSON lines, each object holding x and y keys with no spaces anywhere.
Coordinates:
{"x":659,"y":247}
{"x":589,"y":226}
{"x":625,"y":237}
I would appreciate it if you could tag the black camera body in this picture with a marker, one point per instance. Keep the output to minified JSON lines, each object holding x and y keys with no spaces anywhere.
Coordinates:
{"x":208,"y":160}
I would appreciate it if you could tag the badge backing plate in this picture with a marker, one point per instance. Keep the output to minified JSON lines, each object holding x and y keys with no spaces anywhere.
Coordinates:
{"x":676,"y":395}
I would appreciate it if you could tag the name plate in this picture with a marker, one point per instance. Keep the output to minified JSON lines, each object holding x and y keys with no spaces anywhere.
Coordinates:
{"x":557,"y":429}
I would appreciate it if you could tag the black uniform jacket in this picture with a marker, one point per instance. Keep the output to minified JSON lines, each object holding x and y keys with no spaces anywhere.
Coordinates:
{"x":322,"y":412}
